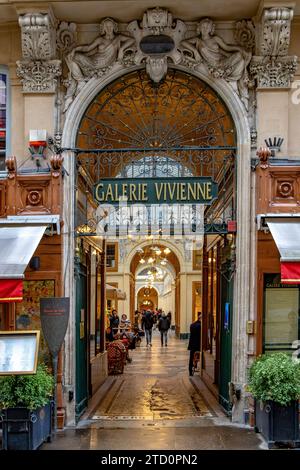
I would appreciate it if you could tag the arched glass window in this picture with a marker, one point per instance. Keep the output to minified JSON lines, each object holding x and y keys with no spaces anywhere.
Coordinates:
{"x":3,"y":116}
{"x":154,"y":166}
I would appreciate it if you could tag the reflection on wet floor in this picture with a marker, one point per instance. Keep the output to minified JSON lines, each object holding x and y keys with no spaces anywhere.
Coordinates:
{"x":155,"y":405}
{"x":154,"y":386}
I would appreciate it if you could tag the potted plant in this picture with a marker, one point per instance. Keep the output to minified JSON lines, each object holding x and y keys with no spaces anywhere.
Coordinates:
{"x":275,"y":384}
{"x":26,"y":409}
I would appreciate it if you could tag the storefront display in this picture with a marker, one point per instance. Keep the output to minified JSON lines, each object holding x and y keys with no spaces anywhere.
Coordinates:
{"x":281,"y":315}
{"x":28,"y":312}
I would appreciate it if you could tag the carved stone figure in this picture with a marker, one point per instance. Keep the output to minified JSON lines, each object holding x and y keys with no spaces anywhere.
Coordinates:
{"x":221,"y":59}
{"x":93,"y":59}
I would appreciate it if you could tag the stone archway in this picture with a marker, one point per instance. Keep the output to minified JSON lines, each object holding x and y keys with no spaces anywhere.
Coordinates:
{"x":245,"y":226}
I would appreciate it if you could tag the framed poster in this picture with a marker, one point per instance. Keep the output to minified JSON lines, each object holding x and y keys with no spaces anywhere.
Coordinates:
{"x":19,"y":352}
{"x":28,"y":312}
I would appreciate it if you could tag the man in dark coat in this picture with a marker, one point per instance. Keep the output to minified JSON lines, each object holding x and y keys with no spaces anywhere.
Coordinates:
{"x":114,"y":321}
{"x":194,"y":341}
{"x":163,"y":326}
{"x":147,"y":325}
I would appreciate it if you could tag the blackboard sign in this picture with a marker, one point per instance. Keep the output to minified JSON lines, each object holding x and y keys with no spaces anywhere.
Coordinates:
{"x":54,"y":320}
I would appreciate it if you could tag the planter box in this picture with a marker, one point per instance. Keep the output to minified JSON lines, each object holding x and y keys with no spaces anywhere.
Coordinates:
{"x":278,"y":424}
{"x":24,"y":429}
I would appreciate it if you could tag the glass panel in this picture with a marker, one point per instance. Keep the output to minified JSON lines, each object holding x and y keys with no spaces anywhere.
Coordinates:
{"x":281,"y":321}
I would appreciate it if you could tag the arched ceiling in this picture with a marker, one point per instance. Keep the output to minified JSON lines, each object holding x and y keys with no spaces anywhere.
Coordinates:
{"x":148,"y":251}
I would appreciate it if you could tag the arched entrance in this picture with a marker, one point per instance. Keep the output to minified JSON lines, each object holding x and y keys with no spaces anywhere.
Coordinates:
{"x":112,"y":159}
{"x":147,"y":298}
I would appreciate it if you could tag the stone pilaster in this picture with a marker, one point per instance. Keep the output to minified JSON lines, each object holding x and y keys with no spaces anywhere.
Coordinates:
{"x":272,"y":67}
{"x":39,"y":68}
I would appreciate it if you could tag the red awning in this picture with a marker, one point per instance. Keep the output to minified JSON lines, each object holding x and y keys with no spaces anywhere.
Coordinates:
{"x":11,"y":290}
{"x":290,"y":272}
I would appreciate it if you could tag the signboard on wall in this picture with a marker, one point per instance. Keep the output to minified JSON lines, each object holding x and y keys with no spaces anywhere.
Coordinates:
{"x":54,"y":320}
{"x":202,"y":190}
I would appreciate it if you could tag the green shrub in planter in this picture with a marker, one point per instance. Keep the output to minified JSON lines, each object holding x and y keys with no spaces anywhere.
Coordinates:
{"x":275,"y":384}
{"x":275,"y":377}
{"x":28,"y":391}
{"x":26,"y":409}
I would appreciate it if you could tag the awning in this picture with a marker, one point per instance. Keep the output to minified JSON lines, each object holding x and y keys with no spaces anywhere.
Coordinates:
{"x":11,"y":290}
{"x":17,"y":245}
{"x":114,"y":293}
{"x":286,"y":233}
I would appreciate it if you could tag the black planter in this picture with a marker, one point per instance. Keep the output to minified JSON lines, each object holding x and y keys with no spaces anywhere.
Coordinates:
{"x":278,"y":424}
{"x":26,"y":430}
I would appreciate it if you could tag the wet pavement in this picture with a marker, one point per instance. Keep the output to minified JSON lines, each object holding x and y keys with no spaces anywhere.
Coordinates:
{"x":156,"y":405}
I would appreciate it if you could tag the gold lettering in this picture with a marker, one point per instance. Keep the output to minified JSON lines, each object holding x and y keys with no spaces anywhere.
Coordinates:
{"x":191,"y":190}
{"x":182,"y":192}
{"x":132,"y":190}
{"x":208,"y":190}
{"x":178,"y":194}
{"x":200,"y":191}
{"x":165,"y":191}
{"x":124,"y":190}
{"x":158,"y":190}
{"x":98,"y":197}
{"x":117,"y":192}
{"x":109,"y":193}
{"x":171,"y":191}
{"x":144,"y":192}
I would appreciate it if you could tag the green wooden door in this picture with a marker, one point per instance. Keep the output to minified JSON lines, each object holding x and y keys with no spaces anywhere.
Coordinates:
{"x":81,"y":340}
{"x":225,"y":341}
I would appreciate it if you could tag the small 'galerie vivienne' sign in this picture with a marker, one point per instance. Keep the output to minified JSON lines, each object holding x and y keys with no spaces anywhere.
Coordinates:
{"x":202,"y":190}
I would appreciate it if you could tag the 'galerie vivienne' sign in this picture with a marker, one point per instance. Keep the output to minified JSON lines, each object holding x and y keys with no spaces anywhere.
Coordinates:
{"x":202,"y":190}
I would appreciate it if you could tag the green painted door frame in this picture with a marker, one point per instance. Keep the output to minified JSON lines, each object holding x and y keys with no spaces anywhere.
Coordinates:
{"x":225,"y":341}
{"x":81,"y":340}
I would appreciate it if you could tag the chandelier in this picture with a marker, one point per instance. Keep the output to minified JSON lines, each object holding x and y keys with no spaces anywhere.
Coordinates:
{"x":158,"y":256}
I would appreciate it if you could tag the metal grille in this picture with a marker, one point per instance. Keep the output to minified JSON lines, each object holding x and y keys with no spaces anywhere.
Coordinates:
{"x":135,"y":128}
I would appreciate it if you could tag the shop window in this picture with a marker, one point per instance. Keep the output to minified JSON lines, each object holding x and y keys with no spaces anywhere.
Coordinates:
{"x":28,"y":311}
{"x":3,"y":116}
{"x":281,"y":315}
{"x":197,"y":260}
{"x":112,"y":257}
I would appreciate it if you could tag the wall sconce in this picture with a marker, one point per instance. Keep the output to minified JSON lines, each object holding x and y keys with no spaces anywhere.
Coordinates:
{"x":35,"y":263}
{"x":274,"y":144}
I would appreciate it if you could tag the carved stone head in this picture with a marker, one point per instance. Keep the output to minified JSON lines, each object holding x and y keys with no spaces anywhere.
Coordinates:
{"x":206,"y":26}
{"x":108,"y":26}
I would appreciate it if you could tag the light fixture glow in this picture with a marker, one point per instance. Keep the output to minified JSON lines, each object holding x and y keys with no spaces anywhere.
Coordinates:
{"x":142,"y":261}
{"x":167,"y":251}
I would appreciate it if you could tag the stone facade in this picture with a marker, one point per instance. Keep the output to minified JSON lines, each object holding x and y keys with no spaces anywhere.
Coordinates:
{"x":57,"y":67}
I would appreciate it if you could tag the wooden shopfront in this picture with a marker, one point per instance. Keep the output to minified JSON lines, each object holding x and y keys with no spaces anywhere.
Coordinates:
{"x":278,"y":202}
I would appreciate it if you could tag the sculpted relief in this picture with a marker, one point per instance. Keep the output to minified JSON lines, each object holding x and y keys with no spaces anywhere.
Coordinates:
{"x":157,"y":41}
{"x":222,"y":60}
{"x":86,"y":61}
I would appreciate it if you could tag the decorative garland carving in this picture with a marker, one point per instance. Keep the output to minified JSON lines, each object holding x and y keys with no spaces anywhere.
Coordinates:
{"x":38,"y":70}
{"x":273,"y":68}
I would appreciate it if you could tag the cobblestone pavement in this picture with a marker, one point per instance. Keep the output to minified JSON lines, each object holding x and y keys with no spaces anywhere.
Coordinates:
{"x":155,"y":405}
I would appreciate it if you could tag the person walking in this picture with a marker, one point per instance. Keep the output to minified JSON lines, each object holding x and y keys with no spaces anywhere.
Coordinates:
{"x":194,"y":341}
{"x":163,"y":326}
{"x":147,"y":325}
